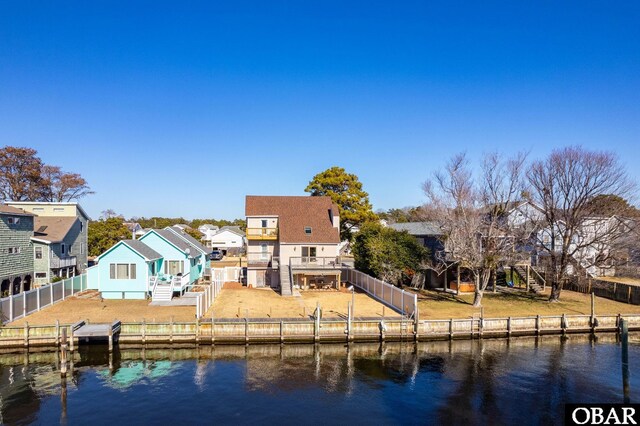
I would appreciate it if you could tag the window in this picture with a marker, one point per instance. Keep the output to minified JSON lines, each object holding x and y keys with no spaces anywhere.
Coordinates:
{"x":38,"y":252}
{"x":81,"y":226}
{"x":69,"y":250}
{"x":58,"y":209}
{"x":38,"y":209}
{"x":41,"y":275}
{"x":14,"y":250}
{"x":173,"y":267}
{"x":264,"y":223}
{"x":307,"y":230}
{"x":309,"y":253}
{"x":13,"y":220}
{"x":122,"y":271}
{"x":62,"y":247}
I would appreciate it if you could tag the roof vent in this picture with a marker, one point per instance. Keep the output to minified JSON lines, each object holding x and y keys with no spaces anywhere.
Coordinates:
{"x":42,"y":229}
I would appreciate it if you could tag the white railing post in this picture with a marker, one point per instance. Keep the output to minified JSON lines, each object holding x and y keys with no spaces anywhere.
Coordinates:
{"x":51,"y":292}
{"x":62,"y":283}
{"x":10,"y":308}
{"x":24,"y":305}
{"x":38,"y":298}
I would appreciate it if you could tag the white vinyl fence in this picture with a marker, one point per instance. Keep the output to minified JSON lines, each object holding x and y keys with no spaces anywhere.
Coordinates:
{"x":402,"y":301}
{"x":208,"y":296}
{"x":20,"y":305}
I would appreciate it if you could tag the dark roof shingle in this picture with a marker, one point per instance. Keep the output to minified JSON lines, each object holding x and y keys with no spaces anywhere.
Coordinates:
{"x":52,"y":228}
{"x":294,"y":214}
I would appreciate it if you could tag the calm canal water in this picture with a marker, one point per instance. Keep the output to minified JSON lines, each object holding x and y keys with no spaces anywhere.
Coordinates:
{"x":521,"y":381}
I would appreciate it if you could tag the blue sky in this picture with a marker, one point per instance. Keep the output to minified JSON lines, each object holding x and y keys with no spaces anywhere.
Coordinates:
{"x":182,"y":108}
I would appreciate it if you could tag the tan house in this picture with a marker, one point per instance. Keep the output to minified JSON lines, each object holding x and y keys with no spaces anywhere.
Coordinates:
{"x":292,"y":242}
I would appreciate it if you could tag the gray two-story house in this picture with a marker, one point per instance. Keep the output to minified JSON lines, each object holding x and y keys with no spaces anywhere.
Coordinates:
{"x":16,"y":250}
{"x":60,"y":233}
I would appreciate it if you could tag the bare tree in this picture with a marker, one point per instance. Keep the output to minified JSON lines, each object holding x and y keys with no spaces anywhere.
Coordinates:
{"x":471,"y":213}
{"x":572,"y":232}
{"x":59,"y":186}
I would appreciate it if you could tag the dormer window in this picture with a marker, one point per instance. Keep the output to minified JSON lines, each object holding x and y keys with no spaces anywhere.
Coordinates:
{"x":13,"y":220}
{"x":264,"y":223}
{"x":307,"y":230}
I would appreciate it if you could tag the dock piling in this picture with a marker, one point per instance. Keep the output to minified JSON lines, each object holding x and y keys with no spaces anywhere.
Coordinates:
{"x":624,"y":331}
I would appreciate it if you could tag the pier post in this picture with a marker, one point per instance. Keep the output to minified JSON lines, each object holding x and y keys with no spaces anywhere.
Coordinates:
{"x":509,"y":326}
{"x":538,"y":325}
{"x":213,"y":336}
{"x":594,"y":320}
{"x":144,"y":330}
{"x":451,"y":329}
{"x":26,"y":334}
{"x":281,"y":331}
{"x":111,"y":338}
{"x":316,"y":334}
{"x":246,"y":330}
{"x":57,"y":333}
{"x":171,"y":330}
{"x":63,"y":353}
{"x":624,"y":330}
{"x":349,"y":322}
{"x":197,"y":331}
{"x":563,"y":324}
{"x":71,"y":338}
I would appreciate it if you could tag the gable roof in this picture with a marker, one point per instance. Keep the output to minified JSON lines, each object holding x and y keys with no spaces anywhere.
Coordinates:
{"x":52,"y":229}
{"x":175,"y":241}
{"x":189,"y":239}
{"x":234,"y":229}
{"x":8,"y":210}
{"x":418,"y":228}
{"x":294,"y":214}
{"x":146,"y":252}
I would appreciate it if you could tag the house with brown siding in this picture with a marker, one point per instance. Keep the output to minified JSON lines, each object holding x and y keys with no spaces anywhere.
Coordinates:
{"x":292,"y":242}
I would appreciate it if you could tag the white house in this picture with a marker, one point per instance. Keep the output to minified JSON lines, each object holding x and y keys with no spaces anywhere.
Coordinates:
{"x":229,"y":239}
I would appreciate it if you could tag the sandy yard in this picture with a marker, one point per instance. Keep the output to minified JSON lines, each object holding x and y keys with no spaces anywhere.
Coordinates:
{"x":436,"y":305}
{"x":96,"y":311}
{"x":266,"y":303}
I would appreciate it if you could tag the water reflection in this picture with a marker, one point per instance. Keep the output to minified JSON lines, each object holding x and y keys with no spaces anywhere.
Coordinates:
{"x":525,"y":380}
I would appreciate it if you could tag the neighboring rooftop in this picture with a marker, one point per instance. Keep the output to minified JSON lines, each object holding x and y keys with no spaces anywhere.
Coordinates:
{"x":5,"y":209}
{"x":195,"y":243}
{"x":52,"y":229}
{"x":417,"y":228}
{"x":234,"y":229}
{"x":29,"y":205}
{"x":174,"y":239}
{"x":294,"y":214}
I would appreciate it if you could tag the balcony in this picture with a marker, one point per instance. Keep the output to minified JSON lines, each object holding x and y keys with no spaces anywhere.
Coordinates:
{"x":262,"y":234}
{"x":264,"y":260}
{"x":62,"y":262}
{"x":315,"y":262}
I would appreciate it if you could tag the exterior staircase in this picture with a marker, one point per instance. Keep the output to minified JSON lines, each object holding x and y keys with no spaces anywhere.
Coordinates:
{"x":536,"y":281}
{"x":162,"y":293}
{"x":285,"y":280}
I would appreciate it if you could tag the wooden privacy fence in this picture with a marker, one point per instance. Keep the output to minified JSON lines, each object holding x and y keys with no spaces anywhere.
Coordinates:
{"x":292,"y":330}
{"x":619,"y":292}
{"x":403,"y":302}
{"x":22,"y":304}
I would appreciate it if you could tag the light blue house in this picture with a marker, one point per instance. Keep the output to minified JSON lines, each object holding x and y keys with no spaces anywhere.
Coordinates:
{"x":182,"y":260}
{"x":126,"y":271}
{"x":205,"y":261}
